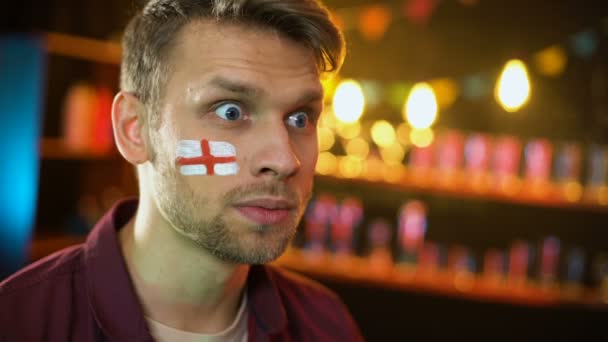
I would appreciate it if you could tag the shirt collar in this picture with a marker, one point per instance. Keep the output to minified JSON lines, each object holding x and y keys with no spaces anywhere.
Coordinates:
{"x":113,"y":298}
{"x":112,"y":295}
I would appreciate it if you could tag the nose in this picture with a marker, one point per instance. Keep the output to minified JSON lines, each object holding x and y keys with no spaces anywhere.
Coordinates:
{"x":274,"y":156}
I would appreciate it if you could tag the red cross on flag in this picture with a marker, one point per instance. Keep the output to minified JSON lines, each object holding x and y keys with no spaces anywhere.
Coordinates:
{"x":206,"y":158}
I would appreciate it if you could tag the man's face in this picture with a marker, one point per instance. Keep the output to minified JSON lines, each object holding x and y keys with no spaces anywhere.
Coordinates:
{"x":260,"y":92}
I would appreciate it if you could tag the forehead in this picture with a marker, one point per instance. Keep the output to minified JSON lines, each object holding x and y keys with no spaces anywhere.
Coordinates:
{"x":206,"y":48}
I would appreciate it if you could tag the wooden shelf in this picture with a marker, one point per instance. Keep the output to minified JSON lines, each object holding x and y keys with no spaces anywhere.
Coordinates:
{"x":360,"y":271}
{"x":56,"y":149}
{"x":550,"y":199}
{"x":93,"y":50}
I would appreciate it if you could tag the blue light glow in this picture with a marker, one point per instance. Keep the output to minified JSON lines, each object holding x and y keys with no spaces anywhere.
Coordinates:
{"x":21,"y":85}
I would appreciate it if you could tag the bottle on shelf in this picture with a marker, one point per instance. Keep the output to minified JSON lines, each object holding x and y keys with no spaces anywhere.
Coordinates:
{"x":344,"y":224}
{"x":379,"y":236}
{"x":477,"y":155}
{"x":549,"y":261}
{"x":321,"y":211}
{"x":575,"y":268}
{"x":537,"y":156}
{"x":412,"y":226}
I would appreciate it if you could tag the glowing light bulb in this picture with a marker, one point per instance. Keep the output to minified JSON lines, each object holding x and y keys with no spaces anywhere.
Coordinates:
{"x":348,"y":131}
{"x":393,"y":155}
{"x":327,"y":164}
{"x":348,"y":101}
{"x":357,"y":148}
{"x":422,"y":137}
{"x":383,"y":133}
{"x":350,"y":167}
{"x":326,"y":138}
{"x":327,"y":119}
{"x":421,"y":106}
{"x":513,"y":86}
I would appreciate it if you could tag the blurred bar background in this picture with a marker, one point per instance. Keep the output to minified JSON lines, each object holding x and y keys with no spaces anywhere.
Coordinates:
{"x":462,"y":182}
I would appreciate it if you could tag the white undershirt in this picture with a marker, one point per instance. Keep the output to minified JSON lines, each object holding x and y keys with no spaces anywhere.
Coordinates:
{"x":236,"y":332}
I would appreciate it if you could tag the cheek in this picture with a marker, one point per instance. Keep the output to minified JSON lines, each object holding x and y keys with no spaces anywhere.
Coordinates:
{"x":206,"y":158}
{"x":309,"y":152}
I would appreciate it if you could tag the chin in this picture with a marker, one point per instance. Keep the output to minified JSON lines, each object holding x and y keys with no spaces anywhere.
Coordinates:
{"x":267,"y":248}
{"x":261,"y":245}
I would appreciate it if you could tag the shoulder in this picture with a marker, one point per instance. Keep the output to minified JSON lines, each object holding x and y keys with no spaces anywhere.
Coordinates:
{"x":40,"y":296}
{"x":43,"y":272}
{"x":305,"y":297}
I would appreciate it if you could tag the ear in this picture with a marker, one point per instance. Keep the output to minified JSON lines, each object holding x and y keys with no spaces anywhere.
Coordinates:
{"x":127,"y":121}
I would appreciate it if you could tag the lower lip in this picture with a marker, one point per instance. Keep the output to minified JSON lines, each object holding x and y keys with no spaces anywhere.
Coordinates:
{"x":263,"y":215}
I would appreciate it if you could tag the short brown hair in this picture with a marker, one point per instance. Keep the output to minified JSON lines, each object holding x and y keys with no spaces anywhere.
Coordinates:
{"x":150,"y":34}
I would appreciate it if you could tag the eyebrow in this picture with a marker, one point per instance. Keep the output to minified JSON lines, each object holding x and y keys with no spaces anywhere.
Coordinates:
{"x":235,"y":87}
{"x":249,"y":90}
{"x":311,"y":96}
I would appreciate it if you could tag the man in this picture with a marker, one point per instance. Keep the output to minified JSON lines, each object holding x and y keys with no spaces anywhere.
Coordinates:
{"x":218,"y":112}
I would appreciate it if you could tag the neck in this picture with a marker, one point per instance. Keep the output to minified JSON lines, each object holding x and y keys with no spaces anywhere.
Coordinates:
{"x":179,"y":283}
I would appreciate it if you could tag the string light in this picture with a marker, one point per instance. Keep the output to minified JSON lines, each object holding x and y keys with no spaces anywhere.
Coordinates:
{"x":383,"y":133}
{"x":513,"y":86}
{"x":551,"y":61}
{"x":350,"y":167}
{"x":327,"y":164}
{"x":393,"y":155}
{"x":348,"y":101}
{"x":326,"y":138}
{"x":348,"y":131}
{"x":421,"y":106}
{"x":357,"y":147}
{"x":328,"y":119}
{"x":422,"y":137}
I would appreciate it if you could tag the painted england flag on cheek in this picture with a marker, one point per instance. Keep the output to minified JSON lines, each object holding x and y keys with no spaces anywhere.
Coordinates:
{"x":206,"y":158}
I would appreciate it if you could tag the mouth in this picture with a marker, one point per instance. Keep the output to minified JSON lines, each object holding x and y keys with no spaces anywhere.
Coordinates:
{"x":266,"y":211}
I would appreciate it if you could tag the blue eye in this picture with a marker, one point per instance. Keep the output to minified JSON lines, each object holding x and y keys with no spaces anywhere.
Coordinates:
{"x":298,"y":120}
{"x":229,"y":111}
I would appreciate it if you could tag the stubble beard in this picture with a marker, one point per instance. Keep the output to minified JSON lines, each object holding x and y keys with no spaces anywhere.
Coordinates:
{"x":233,"y":241}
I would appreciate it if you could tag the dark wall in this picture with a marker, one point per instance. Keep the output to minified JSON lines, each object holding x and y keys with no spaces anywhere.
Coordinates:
{"x":393,"y":315}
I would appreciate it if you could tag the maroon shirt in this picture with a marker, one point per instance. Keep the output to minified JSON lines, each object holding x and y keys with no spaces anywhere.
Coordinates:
{"x":84,"y":293}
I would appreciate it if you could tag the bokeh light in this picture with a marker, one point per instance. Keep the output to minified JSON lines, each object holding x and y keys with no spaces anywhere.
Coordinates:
{"x":585,"y":44}
{"x":326,"y":138}
{"x":446,"y":91}
{"x":513,"y":86}
{"x":551,"y":61}
{"x":374,"y":169}
{"x":422,"y":137}
{"x":383,"y":133}
{"x":327,"y":164}
{"x":394,"y":173}
{"x":393,"y":155}
{"x":350,"y":167}
{"x":421,"y":108}
{"x":374,"y":20}
{"x":348,"y":131}
{"x":357,"y":147}
{"x":476,"y":86}
{"x":372,"y":92}
{"x":348,"y":101}
{"x":328,"y":119}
